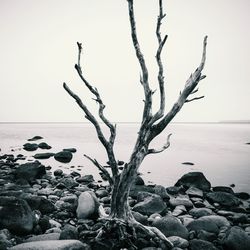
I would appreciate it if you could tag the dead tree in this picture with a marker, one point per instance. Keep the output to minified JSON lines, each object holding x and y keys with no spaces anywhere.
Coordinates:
{"x":151,"y":126}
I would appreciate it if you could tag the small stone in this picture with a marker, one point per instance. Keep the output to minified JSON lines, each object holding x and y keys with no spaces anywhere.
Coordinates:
{"x":188,"y":163}
{"x":72,"y":150}
{"x":35,"y":138}
{"x":44,"y":145}
{"x":58,"y":172}
{"x":199,"y":212}
{"x":42,"y":156}
{"x":30,"y":146}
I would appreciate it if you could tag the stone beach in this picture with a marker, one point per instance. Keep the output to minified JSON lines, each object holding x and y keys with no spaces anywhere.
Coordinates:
{"x":44,"y":209}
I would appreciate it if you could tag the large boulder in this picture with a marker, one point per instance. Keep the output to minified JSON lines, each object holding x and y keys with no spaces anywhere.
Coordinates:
{"x":194,"y":179}
{"x":150,"y":205}
{"x":171,"y":226}
{"x":63,"y":156}
{"x":30,"y":171}
{"x":52,"y":244}
{"x":16,"y":215}
{"x":210,"y":223}
{"x":88,"y":205}
{"x":236,"y":239}
{"x":223,"y":198}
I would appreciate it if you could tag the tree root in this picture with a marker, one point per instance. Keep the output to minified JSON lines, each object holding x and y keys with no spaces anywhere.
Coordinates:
{"x":126,"y":232}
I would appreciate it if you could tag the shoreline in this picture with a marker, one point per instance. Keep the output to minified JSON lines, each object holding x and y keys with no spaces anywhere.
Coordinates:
{"x":190,"y":214}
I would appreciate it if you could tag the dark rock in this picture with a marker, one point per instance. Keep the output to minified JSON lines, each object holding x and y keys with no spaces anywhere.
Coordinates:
{"x":223,"y":198}
{"x":160,"y":190}
{"x":43,"y":156}
{"x":86,"y":179}
{"x":194,"y":179}
{"x":171,"y":226}
{"x":63,"y":156}
{"x":180,"y":201}
{"x":58,"y":172}
{"x":120,"y":163}
{"x":139,"y":180}
{"x":69,"y":182}
{"x":35,"y":138}
{"x":72,"y":150}
{"x":44,"y":145}
{"x":40,"y":203}
{"x":30,"y":146}
{"x":173,"y":190}
{"x":75,"y":174}
{"x":52,"y":244}
{"x":194,"y":192}
{"x":69,"y":233}
{"x":101,"y":193}
{"x":30,"y":171}
{"x":188,"y":163}
{"x":242,"y":195}
{"x":204,"y":235}
{"x":88,"y":205}
{"x":223,"y":189}
{"x":152,"y":204}
{"x":135,"y":189}
{"x":196,"y":244}
{"x":178,"y":242}
{"x":44,"y":223}
{"x":140,"y":218}
{"x":44,"y":237}
{"x":236,"y":239}
{"x":16,"y":215}
{"x":5,"y":239}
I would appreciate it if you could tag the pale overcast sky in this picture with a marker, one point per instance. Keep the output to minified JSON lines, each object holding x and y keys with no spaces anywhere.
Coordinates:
{"x":38,"y":52}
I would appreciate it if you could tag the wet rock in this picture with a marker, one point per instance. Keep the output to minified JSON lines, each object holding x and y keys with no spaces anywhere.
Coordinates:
{"x":63,"y":156}
{"x":68,"y":182}
{"x":58,"y":172}
{"x":180,"y":201}
{"x":69,"y":233}
{"x":44,"y":145}
{"x":86,"y":179}
{"x":30,"y":171}
{"x":223,"y":189}
{"x":210,"y":223}
{"x":196,"y":244}
{"x":139,"y":180}
{"x":178,"y":241}
{"x":30,"y":146}
{"x":199,"y":212}
{"x":43,"y":237}
{"x":171,"y":226}
{"x":52,"y":244}
{"x":243,"y":195}
{"x":42,"y":156}
{"x":16,"y":215}
{"x":35,"y":138}
{"x":72,"y":150}
{"x":173,"y":190}
{"x":223,"y":198}
{"x":160,"y":190}
{"x":88,"y":205}
{"x":135,"y":189}
{"x":151,"y":204}
{"x":236,"y":239}
{"x":194,"y":192}
{"x":194,"y":179}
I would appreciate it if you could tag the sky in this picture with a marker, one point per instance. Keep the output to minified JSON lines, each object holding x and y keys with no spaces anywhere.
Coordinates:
{"x":38,"y":52}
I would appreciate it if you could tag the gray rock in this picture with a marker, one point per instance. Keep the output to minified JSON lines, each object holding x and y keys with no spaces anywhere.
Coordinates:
{"x":69,"y":182}
{"x":52,"y":245}
{"x":196,"y":244}
{"x":223,"y":189}
{"x":199,"y":212}
{"x":43,"y":237}
{"x":236,"y":239}
{"x":223,"y":198}
{"x":35,"y":138}
{"x":42,"y":156}
{"x":171,"y":226}
{"x":16,"y":215}
{"x":58,"y":172}
{"x":135,"y":189}
{"x":5,"y":239}
{"x":174,"y":202}
{"x":160,"y":190}
{"x":178,"y":241}
{"x":173,"y":190}
{"x":72,"y":150}
{"x":88,"y":205}
{"x":63,"y":156}
{"x":69,"y":233}
{"x":139,"y":180}
{"x":194,"y":192}
{"x":30,"y":171}
{"x":210,"y":223}
{"x":194,"y":179}
{"x":140,"y":218}
{"x":30,"y":146}
{"x":179,"y":210}
{"x":150,"y":205}
{"x":101,"y":193}
{"x":86,"y":179}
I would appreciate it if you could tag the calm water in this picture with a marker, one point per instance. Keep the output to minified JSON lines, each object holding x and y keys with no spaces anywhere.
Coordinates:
{"x":217,"y":150}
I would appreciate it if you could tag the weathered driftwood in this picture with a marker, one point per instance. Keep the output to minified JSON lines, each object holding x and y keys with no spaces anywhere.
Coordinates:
{"x":151,"y":125}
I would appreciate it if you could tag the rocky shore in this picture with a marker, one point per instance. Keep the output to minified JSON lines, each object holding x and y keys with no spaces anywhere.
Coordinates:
{"x":42,"y":209}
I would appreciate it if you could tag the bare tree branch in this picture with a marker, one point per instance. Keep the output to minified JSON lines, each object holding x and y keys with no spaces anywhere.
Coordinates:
{"x":102,"y":169}
{"x":144,"y":77}
{"x":190,"y":85}
{"x":195,"y":98}
{"x":98,"y":97}
{"x":161,"y":42}
{"x":165,"y":146}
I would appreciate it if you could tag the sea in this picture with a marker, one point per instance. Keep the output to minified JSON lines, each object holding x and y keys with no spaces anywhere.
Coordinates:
{"x":219,"y":150}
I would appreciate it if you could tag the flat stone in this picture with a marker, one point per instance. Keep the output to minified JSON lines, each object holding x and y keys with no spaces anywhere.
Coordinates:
{"x":223,"y":198}
{"x":174,"y":202}
{"x":43,"y":237}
